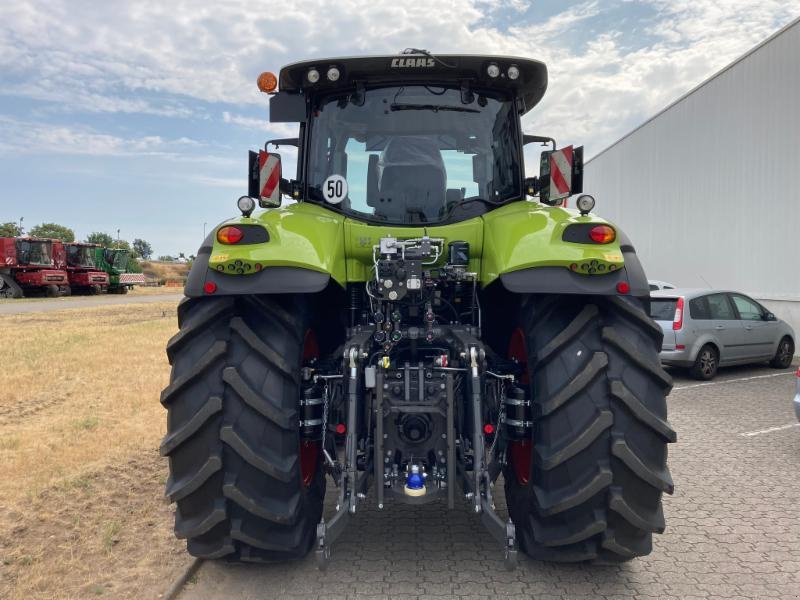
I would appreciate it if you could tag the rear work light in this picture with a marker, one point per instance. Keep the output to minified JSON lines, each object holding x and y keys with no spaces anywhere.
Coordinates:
{"x":602,"y":234}
{"x":677,"y":322}
{"x":229,"y":235}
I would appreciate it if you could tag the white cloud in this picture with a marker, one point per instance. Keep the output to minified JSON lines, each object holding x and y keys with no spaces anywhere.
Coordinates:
{"x":21,"y":137}
{"x":164,"y":59}
{"x":278,"y":130}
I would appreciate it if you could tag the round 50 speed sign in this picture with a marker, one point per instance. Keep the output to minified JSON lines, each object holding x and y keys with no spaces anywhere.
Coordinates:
{"x":334,"y":189}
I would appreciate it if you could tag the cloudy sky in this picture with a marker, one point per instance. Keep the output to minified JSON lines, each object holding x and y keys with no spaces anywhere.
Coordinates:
{"x":138,"y":115}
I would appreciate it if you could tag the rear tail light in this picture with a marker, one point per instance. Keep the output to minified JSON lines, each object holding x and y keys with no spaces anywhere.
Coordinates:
{"x":602,"y":234}
{"x":677,"y":322}
{"x":798,"y":373}
{"x":229,"y":235}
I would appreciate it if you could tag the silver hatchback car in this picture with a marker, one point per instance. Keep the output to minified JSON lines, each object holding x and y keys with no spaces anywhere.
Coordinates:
{"x":707,"y":329}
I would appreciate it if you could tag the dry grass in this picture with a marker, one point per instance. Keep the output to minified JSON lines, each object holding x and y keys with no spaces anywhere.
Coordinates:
{"x":154,"y":291}
{"x":81,"y":484}
{"x":165,"y":271}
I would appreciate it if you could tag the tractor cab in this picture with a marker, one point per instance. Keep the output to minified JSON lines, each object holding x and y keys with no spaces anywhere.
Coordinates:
{"x":81,"y":256}
{"x":116,"y":259}
{"x":414,"y":140}
{"x":34,"y":252}
{"x":84,"y":273}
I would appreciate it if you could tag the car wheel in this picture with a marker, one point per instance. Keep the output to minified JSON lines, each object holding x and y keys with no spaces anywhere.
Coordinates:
{"x":784,"y":354}
{"x":706,"y":364}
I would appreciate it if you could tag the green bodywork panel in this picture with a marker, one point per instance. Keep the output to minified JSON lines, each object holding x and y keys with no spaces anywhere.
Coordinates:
{"x":524,"y":235}
{"x":519,"y":235}
{"x":300,"y":235}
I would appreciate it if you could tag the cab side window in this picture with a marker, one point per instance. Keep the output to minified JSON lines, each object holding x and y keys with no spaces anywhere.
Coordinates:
{"x":748,"y":310}
{"x":720,"y":307}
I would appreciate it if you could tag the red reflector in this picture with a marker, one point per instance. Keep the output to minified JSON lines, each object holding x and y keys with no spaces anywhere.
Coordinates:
{"x":623,"y":287}
{"x":488,"y":429}
{"x":520,"y":456}
{"x":680,"y":347}
{"x":210,"y":287}
{"x":677,"y":322}
{"x":230,"y":235}
{"x":798,"y":372}
{"x":602,"y":234}
{"x":341,"y":429}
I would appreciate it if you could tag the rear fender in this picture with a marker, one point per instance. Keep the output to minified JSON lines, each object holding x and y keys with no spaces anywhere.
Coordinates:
{"x":303,"y":252}
{"x":524,"y":249}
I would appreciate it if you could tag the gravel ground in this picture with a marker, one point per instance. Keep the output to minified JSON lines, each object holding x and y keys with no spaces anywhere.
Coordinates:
{"x":23,"y":306}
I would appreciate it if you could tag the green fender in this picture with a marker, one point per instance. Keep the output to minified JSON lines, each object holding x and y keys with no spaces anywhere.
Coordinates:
{"x":304,"y":251}
{"x":520,"y":244}
{"x":525,"y":250}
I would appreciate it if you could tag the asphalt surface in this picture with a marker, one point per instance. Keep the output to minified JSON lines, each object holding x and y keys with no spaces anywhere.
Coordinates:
{"x":18,"y":307}
{"x":733,"y":525}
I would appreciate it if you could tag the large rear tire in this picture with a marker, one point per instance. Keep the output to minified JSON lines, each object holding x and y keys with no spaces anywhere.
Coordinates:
{"x":589,"y":485}
{"x":232,"y":429}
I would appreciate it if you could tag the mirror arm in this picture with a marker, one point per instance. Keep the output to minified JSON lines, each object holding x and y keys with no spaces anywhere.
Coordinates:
{"x":282,"y":142}
{"x":543,"y":139}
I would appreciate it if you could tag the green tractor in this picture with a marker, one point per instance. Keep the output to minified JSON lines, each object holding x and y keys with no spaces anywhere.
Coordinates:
{"x":113,"y":261}
{"x":416,"y":329}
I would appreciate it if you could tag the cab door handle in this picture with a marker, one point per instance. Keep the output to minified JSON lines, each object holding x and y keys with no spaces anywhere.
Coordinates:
{"x":748,"y":327}
{"x":719,"y":327}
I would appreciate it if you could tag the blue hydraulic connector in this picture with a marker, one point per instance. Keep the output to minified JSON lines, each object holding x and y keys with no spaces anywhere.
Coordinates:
{"x":415,"y":482}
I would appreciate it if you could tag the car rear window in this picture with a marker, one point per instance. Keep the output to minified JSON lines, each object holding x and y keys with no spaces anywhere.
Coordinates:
{"x":662,"y":309}
{"x":699,"y":310}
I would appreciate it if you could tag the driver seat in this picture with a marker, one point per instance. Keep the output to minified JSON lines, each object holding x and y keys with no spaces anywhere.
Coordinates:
{"x":411,"y":179}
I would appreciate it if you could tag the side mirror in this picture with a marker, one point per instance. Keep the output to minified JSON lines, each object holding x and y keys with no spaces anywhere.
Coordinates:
{"x":264,"y":178}
{"x":560,"y":174}
{"x":770,"y":317}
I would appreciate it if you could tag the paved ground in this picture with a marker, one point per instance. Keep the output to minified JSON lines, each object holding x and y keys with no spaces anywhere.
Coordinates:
{"x":16,"y":307}
{"x":733,"y":525}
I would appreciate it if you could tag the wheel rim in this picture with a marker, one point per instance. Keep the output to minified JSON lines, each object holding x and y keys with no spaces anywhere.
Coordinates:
{"x":785,"y":352}
{"x":708,"y":362}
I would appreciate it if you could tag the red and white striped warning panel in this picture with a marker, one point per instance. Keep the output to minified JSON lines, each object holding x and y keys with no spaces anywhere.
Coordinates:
{"x":269,"y":177}
{"x":132,"y":278}
{"x":560,"y":173}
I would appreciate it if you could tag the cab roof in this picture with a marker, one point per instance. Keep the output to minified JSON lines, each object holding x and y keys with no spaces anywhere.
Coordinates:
{"x":421,"y":69}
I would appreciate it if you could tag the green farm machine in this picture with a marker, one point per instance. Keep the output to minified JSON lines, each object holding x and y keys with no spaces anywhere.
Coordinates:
{"x":114,"y":261}
{"x":423,"y":323}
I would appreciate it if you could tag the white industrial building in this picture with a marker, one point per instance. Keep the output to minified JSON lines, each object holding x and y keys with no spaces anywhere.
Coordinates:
{"x":708,"y":189}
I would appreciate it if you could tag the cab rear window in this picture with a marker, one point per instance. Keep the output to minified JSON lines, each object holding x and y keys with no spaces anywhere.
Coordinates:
{"x":662,"y":309}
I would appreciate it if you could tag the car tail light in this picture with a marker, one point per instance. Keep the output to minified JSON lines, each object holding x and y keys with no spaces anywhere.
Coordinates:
{"x":798,"y":373}
{"x":677,"y":322}
{"x":230,"y":235}
{"x":602,"y":234}
{"x":680,"y":347}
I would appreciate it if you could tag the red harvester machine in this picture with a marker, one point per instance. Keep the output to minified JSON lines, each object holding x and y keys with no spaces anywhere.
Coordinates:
{"x":84,"y":276}
{"x":30,"y":266}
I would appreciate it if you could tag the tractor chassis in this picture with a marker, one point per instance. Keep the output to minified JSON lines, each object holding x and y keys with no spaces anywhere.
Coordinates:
{"x":473,"y":470}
